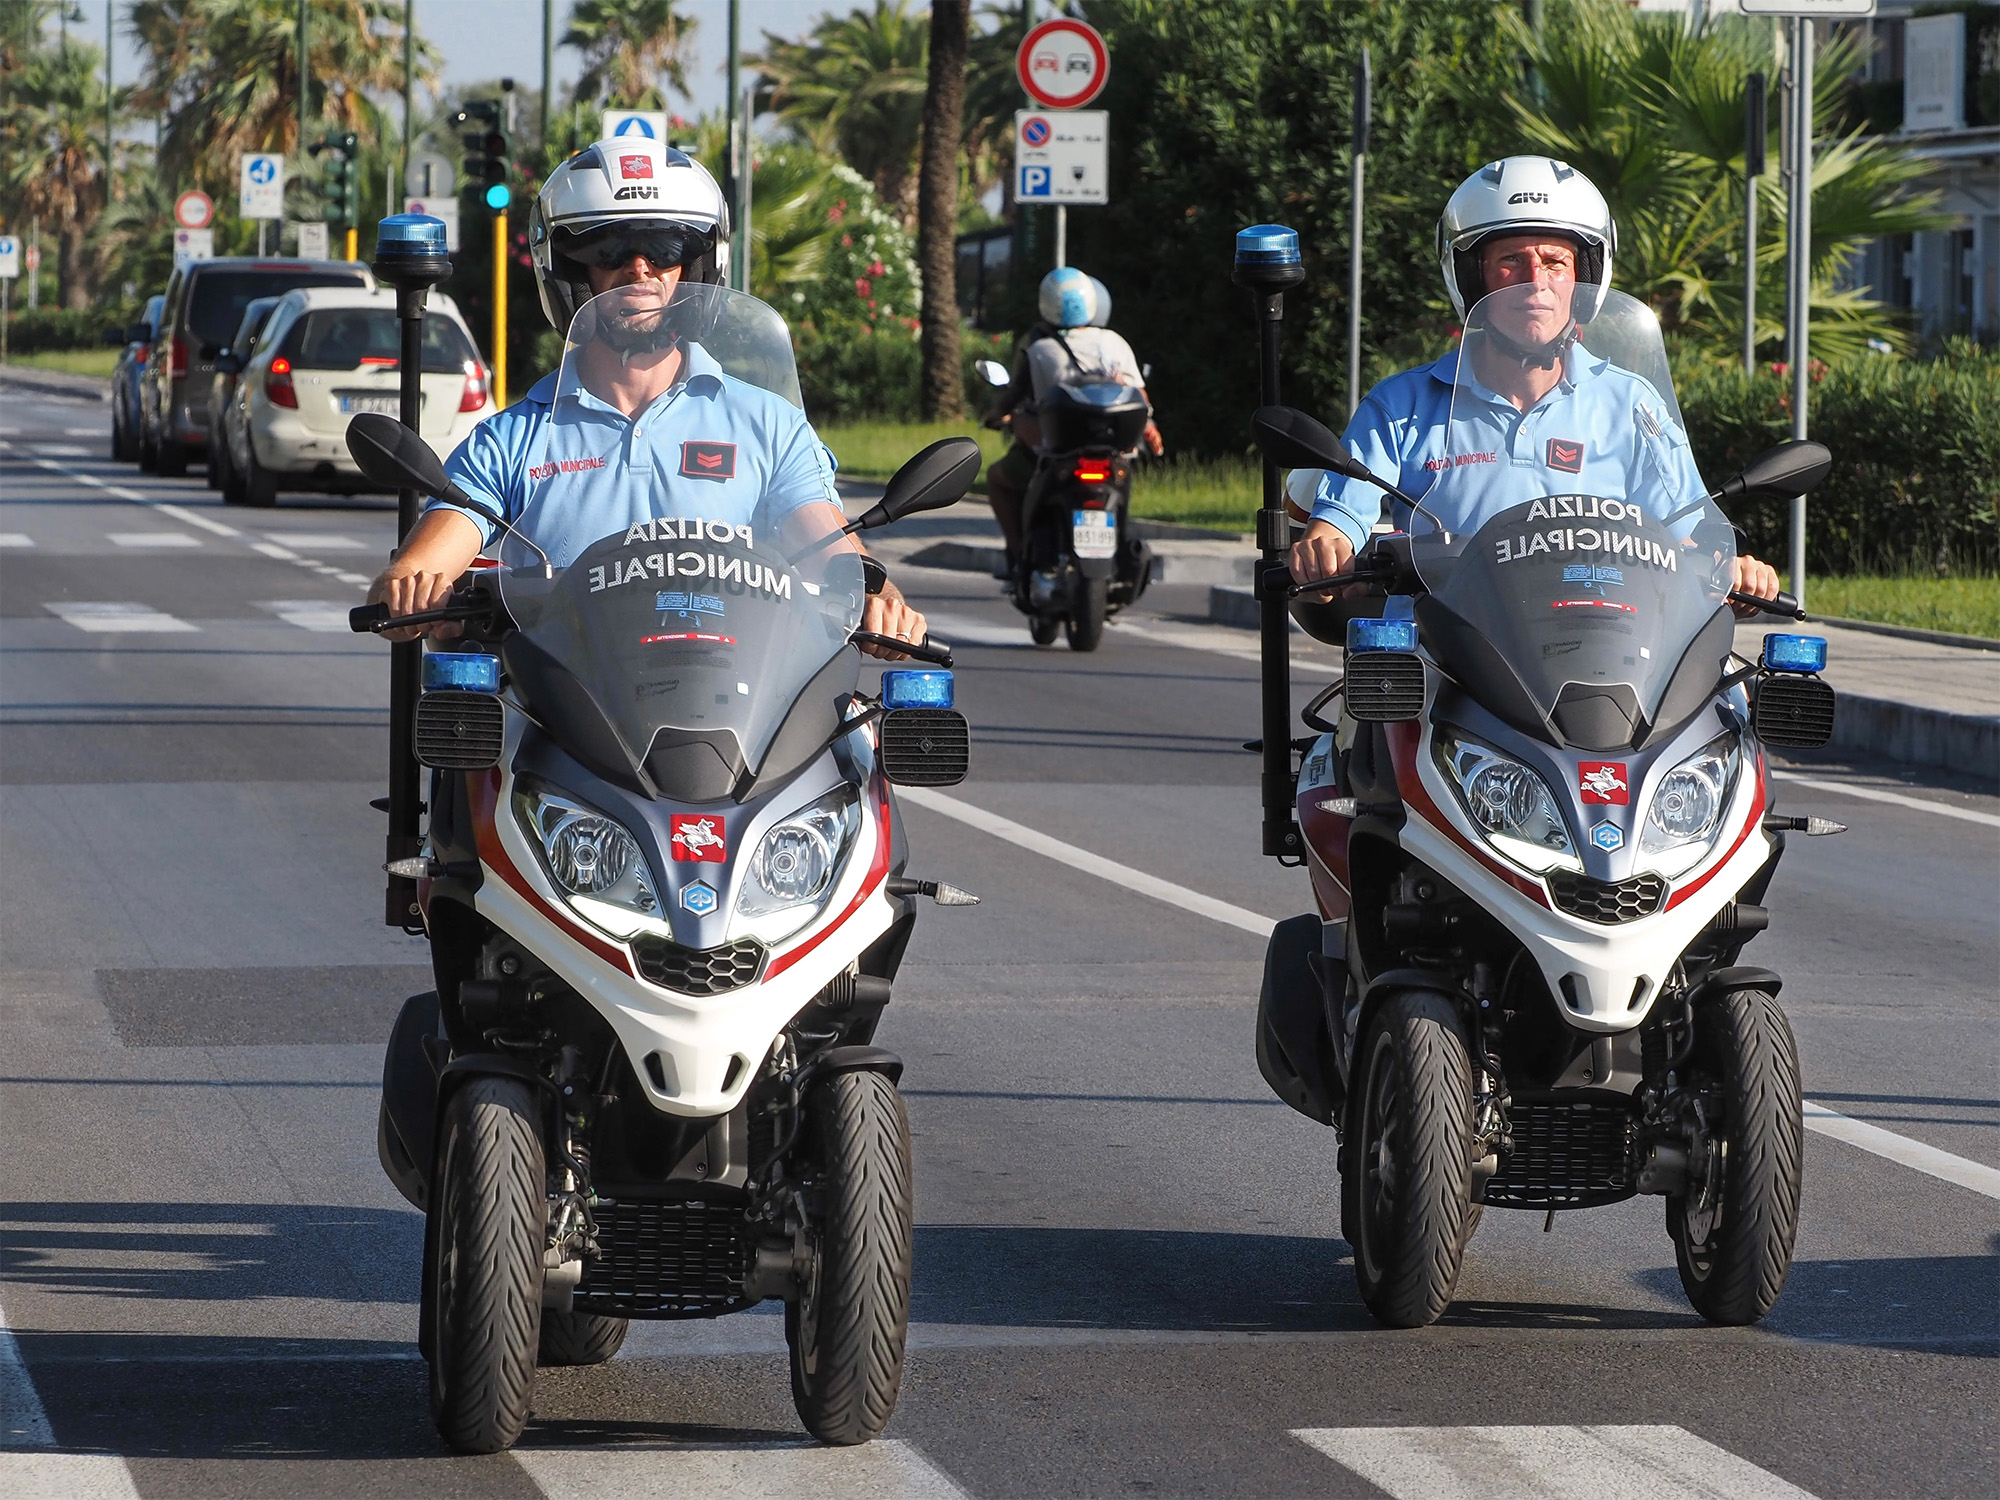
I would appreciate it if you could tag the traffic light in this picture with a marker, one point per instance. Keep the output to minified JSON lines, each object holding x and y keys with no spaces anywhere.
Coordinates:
{"x":487,"y":164}
{"x":337,"y":185}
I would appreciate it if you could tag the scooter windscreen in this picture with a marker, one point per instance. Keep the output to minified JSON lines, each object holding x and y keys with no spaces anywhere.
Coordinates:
{"x":1570,"y":530}
{"x":695,"y":580}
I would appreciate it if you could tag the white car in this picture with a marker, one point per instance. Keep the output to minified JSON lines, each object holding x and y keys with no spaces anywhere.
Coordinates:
{"x":327,"y":354}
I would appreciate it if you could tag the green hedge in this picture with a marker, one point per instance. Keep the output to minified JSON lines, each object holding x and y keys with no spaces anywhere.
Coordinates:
{"x":42,"y":329}
{"x":1915,"y":485}
{"x":849,"y":372}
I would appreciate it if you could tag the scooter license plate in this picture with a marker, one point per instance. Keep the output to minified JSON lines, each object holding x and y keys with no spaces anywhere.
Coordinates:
{"x":1094,"y":533}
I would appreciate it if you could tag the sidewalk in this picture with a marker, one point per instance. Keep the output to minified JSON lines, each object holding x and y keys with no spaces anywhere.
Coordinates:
{"x":56,"y":382}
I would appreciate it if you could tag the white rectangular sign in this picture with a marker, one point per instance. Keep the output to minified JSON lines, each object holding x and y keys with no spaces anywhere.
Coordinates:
{"x":647,"y":124}
{"x":1060,"y":156}
{"x":1817,"y":9}
{"x":1934,"y":73}
{"x":260,"y":186}
{"x":312,"y":241}
{"x":10,"y":257}
{"x":438,"y":208}
{"x":193,"y":244}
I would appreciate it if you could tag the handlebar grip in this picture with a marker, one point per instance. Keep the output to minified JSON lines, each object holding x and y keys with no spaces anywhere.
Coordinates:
{"x":936,"y":653}
{"x":1786,"y":604}
{"x":365,"y":619}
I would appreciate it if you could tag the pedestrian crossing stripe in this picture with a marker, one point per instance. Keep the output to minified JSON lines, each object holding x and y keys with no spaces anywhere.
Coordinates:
{"x":318,"y":615}
{"x":118,"y":618}
{"x":882,"y":1470}
{"x":150,"y":539}
{"x":16,"y":539}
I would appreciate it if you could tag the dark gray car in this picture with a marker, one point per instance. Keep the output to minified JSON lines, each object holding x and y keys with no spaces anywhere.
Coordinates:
{"x":205,"y":302}
{"x":222,"y":391}
{"x":134,"y":344}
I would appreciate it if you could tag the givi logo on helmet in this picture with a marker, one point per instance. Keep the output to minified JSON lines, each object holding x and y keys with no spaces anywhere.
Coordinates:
{"x":630,"y":167}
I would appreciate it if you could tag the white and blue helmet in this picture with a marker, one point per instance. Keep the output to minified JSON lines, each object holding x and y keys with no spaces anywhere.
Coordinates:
{"x":1070,"y":299}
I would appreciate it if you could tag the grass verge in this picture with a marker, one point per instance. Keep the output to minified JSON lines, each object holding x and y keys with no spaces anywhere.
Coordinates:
{"x":1224,"y":493}
{"x":875,"y":450}
{"x":1962,"y":606}
{"x":70,"y":361}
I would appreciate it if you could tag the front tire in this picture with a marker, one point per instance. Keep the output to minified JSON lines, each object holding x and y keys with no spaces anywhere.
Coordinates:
{"x":1042,"y":629}
{"x":847,"y":1326}
{"x":1089,"y":607}
{"x":260,"y":485}
{"x":1733,"y":1233}
{"x":579,"y":1338}
{"x":124,"y":447}
{"x":1406,"y":1181}
{"x":486,"y":1304}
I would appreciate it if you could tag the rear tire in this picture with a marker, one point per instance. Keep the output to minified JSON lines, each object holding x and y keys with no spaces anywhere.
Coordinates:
{"x":149,"y":450}
{"x":1089,"y":607}
{"x":172,"y":459}
{"x":124,"y":446}
{"x":1406,"y":1180}
{"x":232,"y":481}
{"x":260,"y":485}
{"x":486,"y":1304}
{"x":579,"y":1338}
{"x":847,"y":1326}
{"x":218,"y":465}
{"x":1734,"y":1250}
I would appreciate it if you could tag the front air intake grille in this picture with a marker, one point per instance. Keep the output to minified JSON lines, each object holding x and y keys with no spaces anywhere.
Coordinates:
{"x":925,"y":746}
{"x":666,"y":1260}
{"x":1609,"y":902}
{"x":698,"y":971}
{"x":1568,"y":1153}
{"x":459,"y":731}
{"x":1796,"y":712}
{"x":1384,"y":686}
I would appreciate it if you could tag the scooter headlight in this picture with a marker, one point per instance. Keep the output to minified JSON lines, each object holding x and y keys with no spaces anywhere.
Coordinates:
{"x":1686,"y":811}
{"x":796,"y":866}
{"x":592,"y":859}
{"x":1511,"y":804}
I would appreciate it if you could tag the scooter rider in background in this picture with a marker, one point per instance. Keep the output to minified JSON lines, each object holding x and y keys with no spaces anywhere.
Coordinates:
{"x":1525,"y":221}
{"x":1070,"y":343}
{"x":590,"y":234}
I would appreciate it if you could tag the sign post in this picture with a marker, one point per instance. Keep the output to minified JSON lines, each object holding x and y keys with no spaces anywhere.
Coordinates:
{"x":1754,"y":128}
{"x":1062,"y":65}
{"x":1364,"y":100}
{"x":10,"y":268}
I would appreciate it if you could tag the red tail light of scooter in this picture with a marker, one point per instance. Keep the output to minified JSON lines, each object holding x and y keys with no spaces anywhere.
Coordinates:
{"x":278,"y":388}
{"x":1092,"y":471}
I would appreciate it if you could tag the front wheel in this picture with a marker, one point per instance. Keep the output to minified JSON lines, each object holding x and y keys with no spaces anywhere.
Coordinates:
{"x":1089,"y":607}
{"x":847,"y":1326}
{"x":1406,"y":1182}
{"x":260,"y":485}
{"x":1733,"y":1228}
{"x":485,"y":1301}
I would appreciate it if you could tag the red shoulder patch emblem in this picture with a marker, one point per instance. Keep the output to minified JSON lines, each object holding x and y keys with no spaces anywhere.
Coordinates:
{"x":708,"y":460}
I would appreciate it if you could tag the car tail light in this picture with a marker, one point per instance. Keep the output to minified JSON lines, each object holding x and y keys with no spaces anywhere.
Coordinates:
{"x":180,"y":366}
{"x":1093,"y":471}
{"x":278,"y":387}
{"x":473,"y":398}
{"x":139,"y":353}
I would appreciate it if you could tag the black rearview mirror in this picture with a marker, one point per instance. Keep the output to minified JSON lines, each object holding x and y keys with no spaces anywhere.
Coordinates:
{"x":937,"y":477}
{"x":115,"y":338}
{"x":393,"y":456}
{"x":1293,"y":440}
{"x":1788,"y":470}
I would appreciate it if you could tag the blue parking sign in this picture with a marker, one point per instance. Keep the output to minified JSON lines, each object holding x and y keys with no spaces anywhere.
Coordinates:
{"x":1035,"y":183}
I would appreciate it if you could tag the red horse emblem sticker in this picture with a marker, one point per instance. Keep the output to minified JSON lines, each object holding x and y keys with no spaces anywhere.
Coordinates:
{"x":631,"y":167}
{"x":1603,"y":781}
{"x":700,"y":839}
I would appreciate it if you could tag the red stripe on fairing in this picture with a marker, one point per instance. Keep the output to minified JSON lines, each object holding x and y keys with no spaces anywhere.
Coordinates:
{"x":1756,"y":817}
{"x":1404,"y":738}
{"x":877,"y":872}
{"x":485,"y":792}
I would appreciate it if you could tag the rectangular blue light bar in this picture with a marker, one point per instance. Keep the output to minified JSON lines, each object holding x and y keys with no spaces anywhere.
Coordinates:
{"x":916,"y":690}
{"x":1794,"y":653}
{"x":1381,"y":635}
{"x":468,"y":671}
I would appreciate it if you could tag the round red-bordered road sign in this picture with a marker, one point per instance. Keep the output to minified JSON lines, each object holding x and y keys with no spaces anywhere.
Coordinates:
{"x":194,"y":209}
{"x":1063,"y":64}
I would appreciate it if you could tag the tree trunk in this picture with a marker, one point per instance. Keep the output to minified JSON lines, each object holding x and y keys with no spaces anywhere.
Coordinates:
{"x":73,"y":289}
{"x":937,"y":210}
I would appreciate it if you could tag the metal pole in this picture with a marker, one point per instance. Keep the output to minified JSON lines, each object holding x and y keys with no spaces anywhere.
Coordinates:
{"x":409,"y":84}
{"x":1062,"y":235}
{"x":406,"y":657}
{"x":302,"y":77}
{"x":1364,"y":91}
{"x":1800,"y":232}
{"x":110,"y":10}
{"x":500,"y":309}
{"x":548,"y":67}
{"x":1754,"y":130}
{"x":746,"y":182}
{"x":739,"y":273}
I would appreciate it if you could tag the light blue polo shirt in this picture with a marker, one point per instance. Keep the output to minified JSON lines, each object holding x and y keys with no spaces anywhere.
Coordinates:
{"x":1600,"y":430}
{"x":568,"y":469}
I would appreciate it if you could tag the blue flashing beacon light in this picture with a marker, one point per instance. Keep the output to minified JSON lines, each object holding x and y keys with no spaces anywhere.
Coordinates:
{"x":467,"y":671}
{"x":1794,"y":653}
{"x":916,"y":690}
{"x":1381,"y":635}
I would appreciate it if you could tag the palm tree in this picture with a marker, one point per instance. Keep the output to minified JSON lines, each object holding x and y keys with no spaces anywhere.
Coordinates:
{"x":856,"y":85}
{"x":52,"y":154}
{"x":1651,"y":111}
{"x":129,"y":242}
{"x":223,"y":75}
{"x":628,"y":46}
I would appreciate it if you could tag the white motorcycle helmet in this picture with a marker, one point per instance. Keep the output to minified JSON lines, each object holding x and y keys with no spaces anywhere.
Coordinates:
{"x":619,"y":197}
{"x":1102,"y":318}
{"x":1520,"y":195}
{"x":1068,"y":298}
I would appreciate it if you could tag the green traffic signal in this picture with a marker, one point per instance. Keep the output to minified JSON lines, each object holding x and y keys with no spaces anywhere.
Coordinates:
{"x":498,"y":197}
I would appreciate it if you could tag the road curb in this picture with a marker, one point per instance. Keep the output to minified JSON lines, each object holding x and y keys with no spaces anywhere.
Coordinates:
{"x":960,"y":557}
{"x":56,"y":382}
{"x":1910,"y":633}
{"x":1907,"y":733}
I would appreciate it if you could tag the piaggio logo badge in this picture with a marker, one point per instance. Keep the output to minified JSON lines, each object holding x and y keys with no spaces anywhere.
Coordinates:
{"x":1566,"y":455}
{"x":700,"y":839}
{"x":632,"y":168}
{"x":708,"y":460}
{"x":1598,"y":781}
{"x":1607,"y":837}
{"x":699,"y":898}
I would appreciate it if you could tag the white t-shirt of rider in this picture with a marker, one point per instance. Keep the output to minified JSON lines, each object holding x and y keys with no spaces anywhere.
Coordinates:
{"x":1099,"y":355}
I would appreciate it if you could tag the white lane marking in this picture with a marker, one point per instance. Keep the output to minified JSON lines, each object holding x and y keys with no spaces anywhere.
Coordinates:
{"x":272,"y":549}
{"x":152,"y":539}
{"x":83,"y":432}
{"x":1090,"y":864}
{"x":193,"y":518}
{"x":118,"y":619}
{"x":29,"y":1471}
{"x":318,"y":541}
{"x":965,"y":630}
{"x":1546,"y":1463}
{"x":1895,"y":799}
{"x":16,"y":539}
{"x":316,"y":615}
{"x":360,"y":580}
{"x":62,"y":450}
{"x":1915,"y":1155}
{"x":879,"y":1470}
{"x":164,"y":507}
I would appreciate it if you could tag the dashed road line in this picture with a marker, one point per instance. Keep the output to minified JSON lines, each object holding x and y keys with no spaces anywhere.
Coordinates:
{"x":1894,"y":799}
{"x":881,"y":1470}
{"x":16,"y":539}
{"x":1545,"y":1463}
{"x":1915,"y":1155}
{"x":152,"y":539}
{"x":318,"y":615}
{"x":113,"y":618}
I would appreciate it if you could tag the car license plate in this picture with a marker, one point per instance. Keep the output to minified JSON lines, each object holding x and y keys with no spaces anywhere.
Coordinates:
{"x":1094,"y":533}
{"x":353,"y":403}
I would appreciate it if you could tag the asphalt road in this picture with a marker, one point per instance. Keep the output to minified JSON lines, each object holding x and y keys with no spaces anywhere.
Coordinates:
{"x":1129,"y":1277}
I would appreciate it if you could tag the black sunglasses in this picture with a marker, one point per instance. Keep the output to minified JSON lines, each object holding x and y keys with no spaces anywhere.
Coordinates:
{"x":663,"y":245}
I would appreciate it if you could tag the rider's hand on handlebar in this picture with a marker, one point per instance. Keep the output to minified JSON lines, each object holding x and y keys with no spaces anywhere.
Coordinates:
{"x":409,"y":593}
{"x":887,"y":614}
{"x":1155,"y":444}
{"x":1754,"y":577}
{"x":1322,"y":552}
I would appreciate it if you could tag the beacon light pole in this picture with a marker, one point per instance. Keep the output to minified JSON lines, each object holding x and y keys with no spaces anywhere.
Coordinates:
{"x":409,"y":256}
{"x":1268,"y":263}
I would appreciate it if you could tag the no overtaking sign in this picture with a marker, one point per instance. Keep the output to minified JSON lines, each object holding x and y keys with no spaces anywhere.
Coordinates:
{"x":1063,"y":64}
